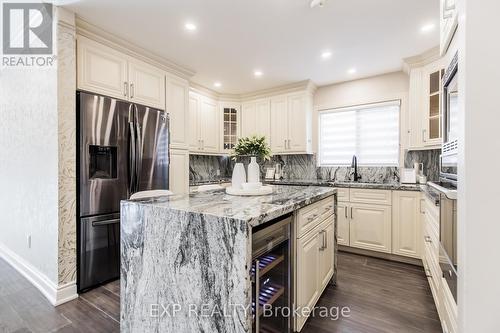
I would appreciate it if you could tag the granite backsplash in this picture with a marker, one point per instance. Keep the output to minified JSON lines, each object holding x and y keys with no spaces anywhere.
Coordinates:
{"x":205,"y":168}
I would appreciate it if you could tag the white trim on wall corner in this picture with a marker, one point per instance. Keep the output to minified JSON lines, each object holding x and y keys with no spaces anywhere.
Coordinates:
{"x":56,"y":295}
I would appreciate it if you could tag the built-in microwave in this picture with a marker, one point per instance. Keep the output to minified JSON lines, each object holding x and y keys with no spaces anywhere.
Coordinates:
{"x":450,"y":122}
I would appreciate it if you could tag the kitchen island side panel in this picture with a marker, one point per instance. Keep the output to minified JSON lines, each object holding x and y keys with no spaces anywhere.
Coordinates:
{"x":187,"y":276}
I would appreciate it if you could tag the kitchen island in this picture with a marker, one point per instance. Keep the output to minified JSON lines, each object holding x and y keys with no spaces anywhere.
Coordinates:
{"x":186,"y":259}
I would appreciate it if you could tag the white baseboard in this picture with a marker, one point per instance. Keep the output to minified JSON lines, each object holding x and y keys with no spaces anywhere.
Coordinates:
{"x":55,"y":294}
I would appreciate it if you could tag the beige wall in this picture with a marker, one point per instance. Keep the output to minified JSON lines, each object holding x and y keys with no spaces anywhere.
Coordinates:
{"x":374,"y":89}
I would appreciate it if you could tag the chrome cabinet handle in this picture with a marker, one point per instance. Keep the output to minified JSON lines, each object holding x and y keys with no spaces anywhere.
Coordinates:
{"x":131,"y":90}
{"x":125,"y":89}
{"x":428,"y":239}
{"x":311,"y":218}
{"x":345,"y":212}
{"x":351,"y":213}
{"x":423,"y":135}
{"x":323,"y":240}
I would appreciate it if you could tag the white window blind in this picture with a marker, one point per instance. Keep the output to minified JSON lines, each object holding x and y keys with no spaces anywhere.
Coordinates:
{"x":371,"y":132}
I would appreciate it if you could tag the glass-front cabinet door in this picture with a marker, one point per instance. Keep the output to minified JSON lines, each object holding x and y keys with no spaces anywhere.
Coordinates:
{"x":231,"y":126}
{"x":433,"y":95}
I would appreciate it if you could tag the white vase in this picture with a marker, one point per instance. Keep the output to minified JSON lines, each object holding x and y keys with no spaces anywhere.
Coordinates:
{"x":253,"y":171}
{"x":239,"y":176}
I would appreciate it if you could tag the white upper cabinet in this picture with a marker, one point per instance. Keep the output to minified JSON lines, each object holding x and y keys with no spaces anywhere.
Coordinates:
{"x":263,"y":118}
{"x":256,"y":118}
{"x":448,"y":23}
{"x":279,"y":124}
{"x":299,"y":123}
{"x":209,"y":126}
{"x":291,"y":123}
{"x":204,"y":128}
{"x":146,"y":84}
{"x":105,"y":71}
{"x":193,"y":132}
{"x":177,"y":102}
{"x":101,"y":69}
{"x":425,"y":100}
{"x":248,"y":119}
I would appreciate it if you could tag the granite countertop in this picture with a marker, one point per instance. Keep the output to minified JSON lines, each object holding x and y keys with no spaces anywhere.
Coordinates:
{"x":319,"y":182}
{"x":430,"y":192}
{"x":254,"y":210}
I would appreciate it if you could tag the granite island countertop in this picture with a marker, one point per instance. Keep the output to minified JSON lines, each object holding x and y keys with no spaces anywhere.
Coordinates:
{"x":192,"y":253}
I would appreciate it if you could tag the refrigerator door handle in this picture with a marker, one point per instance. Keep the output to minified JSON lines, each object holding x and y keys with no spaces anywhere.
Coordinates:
{"x":132,"y":156}
{"x":139,"y":149}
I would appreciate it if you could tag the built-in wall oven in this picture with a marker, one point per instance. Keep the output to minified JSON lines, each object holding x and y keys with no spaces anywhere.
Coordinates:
{"x":271,"y":275}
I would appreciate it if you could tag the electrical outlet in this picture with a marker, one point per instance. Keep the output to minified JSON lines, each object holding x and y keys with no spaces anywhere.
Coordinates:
{"x":29,"y":241}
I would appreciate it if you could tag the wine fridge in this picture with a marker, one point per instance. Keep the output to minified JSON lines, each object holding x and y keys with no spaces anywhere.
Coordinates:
{"x":271,"y":276}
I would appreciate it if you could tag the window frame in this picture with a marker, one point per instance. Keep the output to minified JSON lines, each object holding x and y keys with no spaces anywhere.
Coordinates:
{"x":356,"y":108}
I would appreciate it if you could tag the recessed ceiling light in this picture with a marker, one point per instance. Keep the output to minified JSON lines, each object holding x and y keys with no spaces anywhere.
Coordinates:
{"x":190,"y":26}
{"x":326,"y":54}
{"x":352,"y":71}
{"x":258,"y":73}
{"x":217,"y":84}
{"x":427,"y":28}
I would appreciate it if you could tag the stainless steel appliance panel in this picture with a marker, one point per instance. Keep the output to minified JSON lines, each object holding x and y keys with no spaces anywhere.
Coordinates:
{"x":99,"y":250}
{"x":152,"y":160}
{"x":103,"y":158}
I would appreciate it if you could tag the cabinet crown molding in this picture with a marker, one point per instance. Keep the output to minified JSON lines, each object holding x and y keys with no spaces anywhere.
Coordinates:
{"x":87,"y":29}
{"x":301,"y":86}
{"x":421,"y":60}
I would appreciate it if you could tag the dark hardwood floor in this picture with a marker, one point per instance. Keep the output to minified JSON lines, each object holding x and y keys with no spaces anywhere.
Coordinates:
{"x":382,"y":296}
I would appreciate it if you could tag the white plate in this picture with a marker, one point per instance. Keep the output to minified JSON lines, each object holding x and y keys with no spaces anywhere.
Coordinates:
{"x":260,"y":191}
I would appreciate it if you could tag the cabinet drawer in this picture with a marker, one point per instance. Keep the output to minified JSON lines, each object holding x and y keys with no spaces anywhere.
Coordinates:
{"x":431,"y":212}
{"x":379,"y":197}
{"x":326,"y":208}
{"x":343,"y":194}
{"x":310,"y":216}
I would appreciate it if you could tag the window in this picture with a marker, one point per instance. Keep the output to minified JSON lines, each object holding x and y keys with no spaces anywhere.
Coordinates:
{"x":371,"y":132}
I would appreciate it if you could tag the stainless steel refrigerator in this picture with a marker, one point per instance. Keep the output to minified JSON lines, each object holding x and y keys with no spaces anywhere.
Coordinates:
{"x":123,"y":149}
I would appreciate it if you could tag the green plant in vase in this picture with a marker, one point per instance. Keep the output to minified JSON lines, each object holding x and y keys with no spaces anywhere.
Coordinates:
{"x":253,"y":146}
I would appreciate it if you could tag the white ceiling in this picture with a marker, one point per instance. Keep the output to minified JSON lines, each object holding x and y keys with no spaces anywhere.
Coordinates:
{"x":283,"y":38}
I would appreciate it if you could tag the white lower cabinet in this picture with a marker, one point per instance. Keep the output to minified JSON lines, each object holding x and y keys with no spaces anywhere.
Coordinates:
{"x":315,"y":257}
{"x":326,"y":252}
{"x":342,"y":223}
{"x":406,"y":228}
{"x":443,"y":298}
{"x":307,"y":273}
{"x":179,"y":171}
{"x":380,"y":220}
{"x":370,"y":227}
